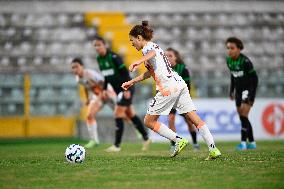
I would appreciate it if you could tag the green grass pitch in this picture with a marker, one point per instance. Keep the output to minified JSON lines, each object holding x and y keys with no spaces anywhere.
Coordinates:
{"x":40,"y":163}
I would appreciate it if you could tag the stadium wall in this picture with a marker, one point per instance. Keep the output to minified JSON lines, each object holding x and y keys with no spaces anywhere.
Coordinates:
{"x":266,"y":116}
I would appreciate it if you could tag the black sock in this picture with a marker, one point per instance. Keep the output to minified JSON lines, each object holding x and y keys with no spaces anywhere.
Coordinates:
{"x":119,"y":131}
{"x":249,"y":129}
{"x":139,"y":126}
{"x":244,"y":132}
{"x":193,"y":136}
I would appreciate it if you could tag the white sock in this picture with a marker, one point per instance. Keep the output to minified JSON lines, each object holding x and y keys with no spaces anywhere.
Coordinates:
{"x":244,"y":143}
{"x":93,"y":132}
{"x":207,"y":137}
{"x":164,"y":131}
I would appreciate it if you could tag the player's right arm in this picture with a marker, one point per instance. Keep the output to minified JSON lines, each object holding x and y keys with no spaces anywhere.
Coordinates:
{"x":137,"y":79}
{"x":144,"y":58}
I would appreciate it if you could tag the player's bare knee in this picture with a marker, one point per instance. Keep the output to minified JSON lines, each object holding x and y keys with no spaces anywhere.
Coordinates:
{"x":90,"y":119}
{"x":129,"y":114}
{"x":119,"y":113}
{"x":243,"y":113}
{"x":147,"y":122}
{"x":239,"y":110}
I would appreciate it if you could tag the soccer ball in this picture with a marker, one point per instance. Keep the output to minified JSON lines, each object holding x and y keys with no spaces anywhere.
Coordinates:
{"x":75,"y":153}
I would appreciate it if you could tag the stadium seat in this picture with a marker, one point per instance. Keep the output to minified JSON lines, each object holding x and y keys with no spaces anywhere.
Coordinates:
{"x":33,"y":39}
{"x":2,"y":20}
{"x":40,"y":48}
{"x":17,"y":94}
{"x":37,"y":61}
{"x":11,"y":108}
{"x":21,"y":61}
{"x":5,"y":61}
{"x":63,"y":19}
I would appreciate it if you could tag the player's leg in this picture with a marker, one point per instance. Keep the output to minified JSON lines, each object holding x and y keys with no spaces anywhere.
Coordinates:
{"x":192,"y":131}
{"x":238,"y":101}
{"x":205,"y":133}
{"x":162,"y":105}
{"x":246,"y":109}
{"x":119,"y":114}
{"x":244,"y":102}
{"x":130,"y":112}
{"x":151,"y":121}
{"x":244,"y":112}
{"x":172,"y":118}
{"x":244,"y":129}
{"x":93,"y":108}
{"x":185,"y":106}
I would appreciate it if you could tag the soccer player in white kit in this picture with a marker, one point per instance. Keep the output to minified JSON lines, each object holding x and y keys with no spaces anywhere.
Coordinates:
{"x":93,"y":83}
{"x":172,"y":91}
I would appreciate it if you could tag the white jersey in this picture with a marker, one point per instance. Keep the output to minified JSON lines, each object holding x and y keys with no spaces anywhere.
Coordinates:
{"x":89,"y":78}
{"x":166,"y":79}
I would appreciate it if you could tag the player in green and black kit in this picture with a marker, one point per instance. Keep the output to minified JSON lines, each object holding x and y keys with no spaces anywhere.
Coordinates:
{"x":179,"y":67}
{"x":115,"y":73}
{"x":244,"y":82}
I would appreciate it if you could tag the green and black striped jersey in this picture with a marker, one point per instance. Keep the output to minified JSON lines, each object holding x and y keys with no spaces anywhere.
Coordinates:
{"x":240,"y":67}
{"x":242,"y":71}
{"x":113,"y":69}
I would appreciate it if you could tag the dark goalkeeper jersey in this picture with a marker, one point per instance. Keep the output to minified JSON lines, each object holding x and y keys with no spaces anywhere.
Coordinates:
{"x":114,"y":70}
{"x":243,"y":74}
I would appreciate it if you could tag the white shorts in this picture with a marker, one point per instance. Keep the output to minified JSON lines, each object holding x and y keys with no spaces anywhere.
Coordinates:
{"x":180,"y":100}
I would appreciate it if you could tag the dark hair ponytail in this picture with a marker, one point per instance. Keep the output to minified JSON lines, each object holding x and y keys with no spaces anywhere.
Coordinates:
{"x":144,"y":30}
{"x":145,"y":23}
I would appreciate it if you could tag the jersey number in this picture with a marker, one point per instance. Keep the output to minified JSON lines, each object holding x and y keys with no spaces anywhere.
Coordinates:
{"x":168,"y":64}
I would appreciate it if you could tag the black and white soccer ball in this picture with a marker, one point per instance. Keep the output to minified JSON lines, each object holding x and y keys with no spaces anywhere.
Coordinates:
{"x":75,"y":153}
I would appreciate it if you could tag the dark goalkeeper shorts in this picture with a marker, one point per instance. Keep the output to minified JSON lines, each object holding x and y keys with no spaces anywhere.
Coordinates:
{"x":122,"y":101}
{"x":245,"y":96}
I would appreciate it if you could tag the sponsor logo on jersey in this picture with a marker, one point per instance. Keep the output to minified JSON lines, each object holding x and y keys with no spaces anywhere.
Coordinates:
{"x":108,"y":72}
{"x":238,"y":73}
